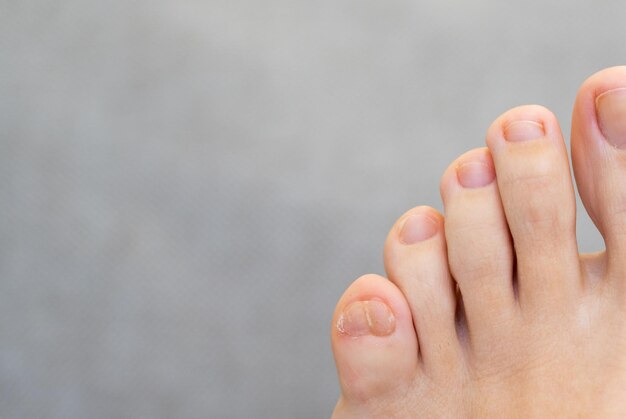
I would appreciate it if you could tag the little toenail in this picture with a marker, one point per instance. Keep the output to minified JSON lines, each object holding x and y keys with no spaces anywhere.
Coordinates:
{"x":417,"y":228}
{"x":611,"y":112}
{"x":523,"y":131}
{"x":475,"y":174}
{"x":362,"y":318}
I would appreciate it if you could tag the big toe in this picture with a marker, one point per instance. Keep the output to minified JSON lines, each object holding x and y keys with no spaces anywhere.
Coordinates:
{"x":599,"y":160}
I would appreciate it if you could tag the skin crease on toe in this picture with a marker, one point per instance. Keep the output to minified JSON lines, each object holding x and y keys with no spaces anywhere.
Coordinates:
{"x":545,"y":327}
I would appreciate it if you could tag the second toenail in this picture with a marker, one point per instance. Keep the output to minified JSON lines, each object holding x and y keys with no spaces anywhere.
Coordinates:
{"x":417,"y":228}
{"x":523,"y":131}
{"x":611,"y":113}
{"x":362,"y":318}
{"x":475,"y":174}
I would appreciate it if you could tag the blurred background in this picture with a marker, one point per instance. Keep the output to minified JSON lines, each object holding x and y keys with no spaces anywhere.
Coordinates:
{"x":186,"y":188}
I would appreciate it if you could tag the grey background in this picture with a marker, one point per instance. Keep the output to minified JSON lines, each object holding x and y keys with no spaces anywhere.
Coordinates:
{"x":187,"y":187}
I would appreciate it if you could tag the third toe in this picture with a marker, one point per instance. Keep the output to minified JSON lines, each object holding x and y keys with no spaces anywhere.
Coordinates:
{"x":479,"y":245}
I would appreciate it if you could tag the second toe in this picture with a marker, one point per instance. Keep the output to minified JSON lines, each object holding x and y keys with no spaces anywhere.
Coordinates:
{"x":538,"y":198}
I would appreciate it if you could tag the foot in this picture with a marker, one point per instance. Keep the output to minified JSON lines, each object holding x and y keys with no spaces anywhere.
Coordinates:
{"x":491,"y":311}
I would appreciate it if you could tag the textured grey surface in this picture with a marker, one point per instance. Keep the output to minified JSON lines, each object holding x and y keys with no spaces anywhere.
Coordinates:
{"x":187,"y":187}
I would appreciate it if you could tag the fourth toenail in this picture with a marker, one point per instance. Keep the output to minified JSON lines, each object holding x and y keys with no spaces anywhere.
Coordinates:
{"x":371,"y":317}
{"x":611,"y":113}
{"x":523,"y":131}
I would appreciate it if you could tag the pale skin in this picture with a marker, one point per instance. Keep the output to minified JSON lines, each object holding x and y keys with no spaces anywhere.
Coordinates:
{"x":489,"y":310}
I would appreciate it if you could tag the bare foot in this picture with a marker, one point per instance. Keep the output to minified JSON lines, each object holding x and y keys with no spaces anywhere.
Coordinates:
{"x":491,"y":311}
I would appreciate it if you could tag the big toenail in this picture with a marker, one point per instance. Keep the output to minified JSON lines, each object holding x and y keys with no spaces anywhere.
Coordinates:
{"x":417,"y":228}
{"x":371,"y":317}
{"x":523,"y":131}
{"x":475,"y":174}
{"x":611,"y":113}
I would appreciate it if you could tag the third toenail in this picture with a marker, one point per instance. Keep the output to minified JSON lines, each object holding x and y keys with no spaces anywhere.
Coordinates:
{"x":417,"y":228}
{"x":523,"y":131}
{"x":611,"y":113}
{"x":371,"y":317}
{"x":475,"y":174}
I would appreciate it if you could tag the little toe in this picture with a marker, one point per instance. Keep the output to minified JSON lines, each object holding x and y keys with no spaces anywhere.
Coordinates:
{"x":538,"y":198}
{"x":374,"y":344}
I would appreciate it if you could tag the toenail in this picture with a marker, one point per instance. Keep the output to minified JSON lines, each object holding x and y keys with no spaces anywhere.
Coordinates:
{"x":611,"y":113}
{"x":361,"y":318}
{"x":523,"y":131}
{"x":475,"y":174}
{"x":417,"y":228}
